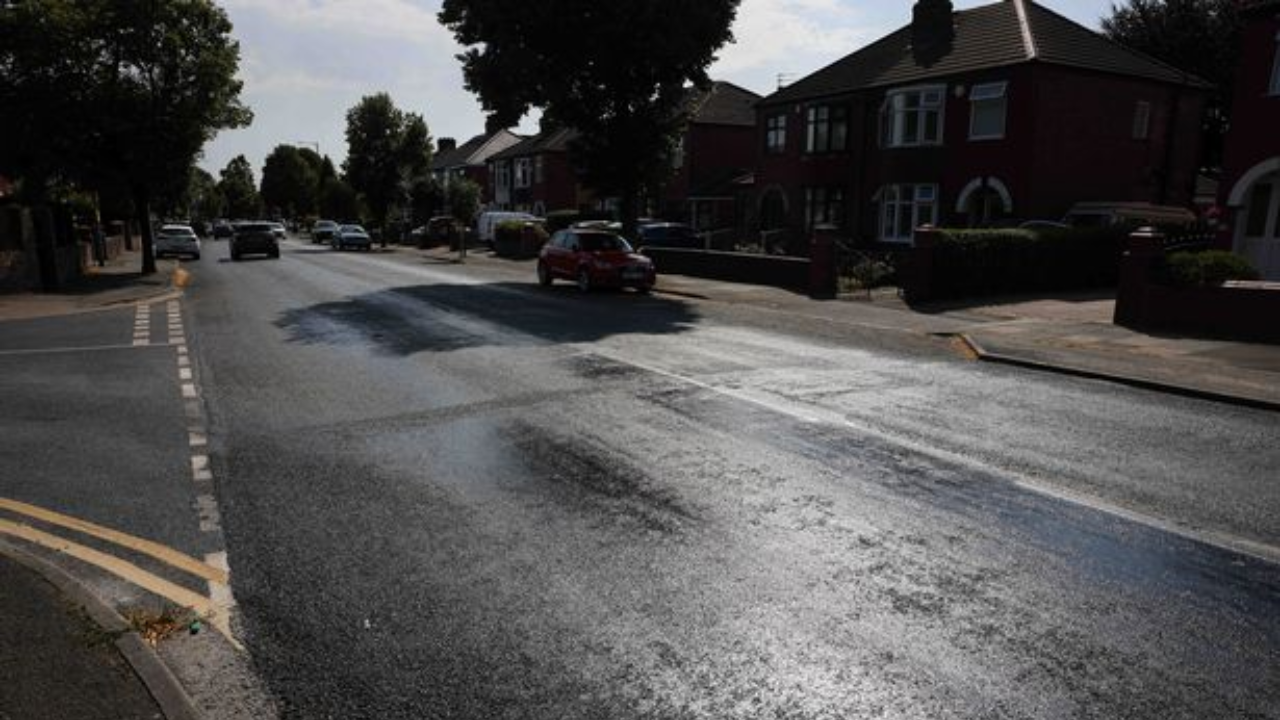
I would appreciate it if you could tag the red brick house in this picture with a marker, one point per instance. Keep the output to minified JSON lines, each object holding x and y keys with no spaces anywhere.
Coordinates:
{"x":471,"y":159}
{"x":536,"y":176}
{"x":717,"y":150}
{"x":1251,"y":166}
{"x":985,"y":116}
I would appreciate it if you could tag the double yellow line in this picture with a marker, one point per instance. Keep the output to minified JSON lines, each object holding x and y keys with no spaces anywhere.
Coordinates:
{"x":214,"y":613}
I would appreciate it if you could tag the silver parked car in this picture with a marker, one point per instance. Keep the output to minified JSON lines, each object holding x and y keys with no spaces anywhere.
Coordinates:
{"x":177,"y":241}
{"x":352,"y":236}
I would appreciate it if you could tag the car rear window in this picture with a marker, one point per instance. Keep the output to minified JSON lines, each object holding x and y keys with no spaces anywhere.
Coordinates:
{"x":598,"y":242}
{"x":255,"y":227}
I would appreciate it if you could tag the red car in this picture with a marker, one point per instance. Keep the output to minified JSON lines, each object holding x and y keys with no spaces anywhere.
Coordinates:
{"x":594,"y":258}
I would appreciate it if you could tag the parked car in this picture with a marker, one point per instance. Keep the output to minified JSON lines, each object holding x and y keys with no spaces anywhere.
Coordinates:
{"x":222,"y":230}
{"x":1103,"y":214}
{"x":177,"y":241}
{"x":594,"y":258}
{"x":439,"y":230}
{"x":1043,"y":225}
{"x":489,"y":221}
{"x":323,"y":231}
{"x":352,"y":236}
{"x":254,"y":238}
{"x":278,"y":229}
{"x":668,"y":234}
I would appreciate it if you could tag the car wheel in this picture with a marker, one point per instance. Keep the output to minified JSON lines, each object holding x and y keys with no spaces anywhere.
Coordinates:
{"x":644,"y":289}
{"x":195,"y":257}
{"x":544,"y":274}
{"x":275,"y":254}
{"x":584,"y":280}
{"x":235,"y":257}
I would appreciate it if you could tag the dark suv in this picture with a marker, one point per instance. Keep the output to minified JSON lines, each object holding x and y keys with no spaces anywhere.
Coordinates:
{"x":254,"y":238}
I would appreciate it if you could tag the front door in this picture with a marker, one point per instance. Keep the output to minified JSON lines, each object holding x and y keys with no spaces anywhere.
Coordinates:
{"x":1258,"y":227}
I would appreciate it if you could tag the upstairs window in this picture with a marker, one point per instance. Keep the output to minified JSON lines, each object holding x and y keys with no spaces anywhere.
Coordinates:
{"x":538,"y":172}
{"x":1275,"y":70}
{"x":827,"y":129}
{"x":912,"y":117}
{"x":775,"y":136}
{"x":524,"y":173}
{"x":1141,"y":120}
{"x":987,"y":109}
{"x":502,"y":174}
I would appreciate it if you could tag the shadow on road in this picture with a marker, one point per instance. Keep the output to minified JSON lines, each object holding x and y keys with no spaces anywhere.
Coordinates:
{"x":441,"y":318}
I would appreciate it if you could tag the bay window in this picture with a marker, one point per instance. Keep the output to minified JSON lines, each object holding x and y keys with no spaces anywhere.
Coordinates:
{"x":903,"y":208}
{"x":912,"y":117}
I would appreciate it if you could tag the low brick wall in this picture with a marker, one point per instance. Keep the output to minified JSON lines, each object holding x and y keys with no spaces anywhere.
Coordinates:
{"x":1237,"y":311}
{"x":789,"y":273}
{"x":1240,"y":312}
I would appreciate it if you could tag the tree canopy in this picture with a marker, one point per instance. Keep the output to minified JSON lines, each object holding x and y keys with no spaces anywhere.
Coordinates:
{"x":1202,"y":37}
{"x":101,"y":92}
{"x":387,"y":149}
{"x":291,"y":181}
{"x":238,"y":189}
{"x":617,"y":72}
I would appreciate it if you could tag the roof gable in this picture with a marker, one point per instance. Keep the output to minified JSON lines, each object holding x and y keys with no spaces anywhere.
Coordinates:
{"x":1004,"y":33}
{"x":723,"y":104}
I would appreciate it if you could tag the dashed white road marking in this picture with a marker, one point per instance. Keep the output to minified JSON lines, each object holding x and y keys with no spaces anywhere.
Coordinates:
{"x":200,"y":468}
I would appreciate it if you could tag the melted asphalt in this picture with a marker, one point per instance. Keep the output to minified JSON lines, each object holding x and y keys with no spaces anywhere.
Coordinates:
{"x":458,"y":496}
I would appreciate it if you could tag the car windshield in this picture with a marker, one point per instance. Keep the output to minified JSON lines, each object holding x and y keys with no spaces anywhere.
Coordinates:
{"x":599,"y":242}
{"x":254,"y":227}
{"x":177,"y":230}
{"x":326,"y":224}
{"x":353,"y":229}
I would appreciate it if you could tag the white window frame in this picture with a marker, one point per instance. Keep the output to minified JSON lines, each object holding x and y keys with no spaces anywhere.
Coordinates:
{"x":826,"y":128}
{"x":897,"y":108}
{"x":1142,"y":120}
{"x":523,"y":172}
{"x":989,"y":94}
{"x":502,"y":175}
{"x":539,"y":171}
{"x":913,"y":197}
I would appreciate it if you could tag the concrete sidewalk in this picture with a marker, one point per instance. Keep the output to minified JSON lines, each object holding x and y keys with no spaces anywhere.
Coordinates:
{"x":1071,"y":334}
{"x":119,"y":282}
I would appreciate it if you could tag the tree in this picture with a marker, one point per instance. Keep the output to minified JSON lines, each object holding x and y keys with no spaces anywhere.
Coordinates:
{"x":338,"y":200}
{"x":290,"y":181}
{"x":620,"y":82}
{"x":239,"y":189}
{"x":462,"y":197}
{"x":1202,"y":37}
{"x":123,"y":92}
{"x":386,"y":149}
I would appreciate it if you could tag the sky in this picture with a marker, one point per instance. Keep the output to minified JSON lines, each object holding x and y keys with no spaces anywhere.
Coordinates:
{"x":305,"y":62}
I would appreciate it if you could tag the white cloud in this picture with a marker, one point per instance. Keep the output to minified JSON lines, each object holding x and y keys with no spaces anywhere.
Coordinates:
{"x":400,"y":19}
{"x":793,"y":36}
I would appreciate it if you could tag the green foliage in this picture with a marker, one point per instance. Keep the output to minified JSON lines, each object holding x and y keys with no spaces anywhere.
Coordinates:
{"x":561,"y":219}
{"x":462,"y":198}
{"x":519,"y":238}
{"x":290,"y":182}
{"x":239,"y":190}
{"x":972,"y":263}
{"x":614,"y":71}
{"x":1206,"y":269}
{"x":103,"y":93}
{"x":387,"y":150}
{"x":1202,"y":37}
{"x":339,"y":201}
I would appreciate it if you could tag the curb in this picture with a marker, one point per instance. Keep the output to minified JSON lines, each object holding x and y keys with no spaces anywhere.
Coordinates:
{"x":165,"y":689}
{"x":1133,"y":381}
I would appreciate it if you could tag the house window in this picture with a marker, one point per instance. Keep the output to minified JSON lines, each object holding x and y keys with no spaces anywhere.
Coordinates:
{"x":524,"y":172}
{"x":775,"y":137}
{"x":1275,"y":70}
{"x":538,"y":172}
{"x":903,"y":208}
{"x":823,"y":206}
{"x":912,"y":117}
{"x":1141,"y":120}
{"x":502,"y":175}
{"x":827,"y":128}
{"x":987,"y":109}
{"x":677,"y":154}
{"x":1262,"y":214}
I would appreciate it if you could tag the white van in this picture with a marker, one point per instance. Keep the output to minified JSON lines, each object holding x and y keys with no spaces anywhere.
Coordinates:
{"x":488,"y":221}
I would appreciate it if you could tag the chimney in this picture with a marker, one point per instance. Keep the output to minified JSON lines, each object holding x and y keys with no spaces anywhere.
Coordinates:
{"x":444,"y":145}
{"x":932,"y":29}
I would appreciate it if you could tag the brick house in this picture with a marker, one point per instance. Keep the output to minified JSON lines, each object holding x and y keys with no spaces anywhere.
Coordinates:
{"x":717,"y":149}
{"x":1251,"y":167}
{"x":471,"y":159}
{"x":537,"y":176}
{"x":980,"y":117}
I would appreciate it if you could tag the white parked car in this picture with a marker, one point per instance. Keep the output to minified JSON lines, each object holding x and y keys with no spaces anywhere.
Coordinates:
{"x":177,"y":241}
